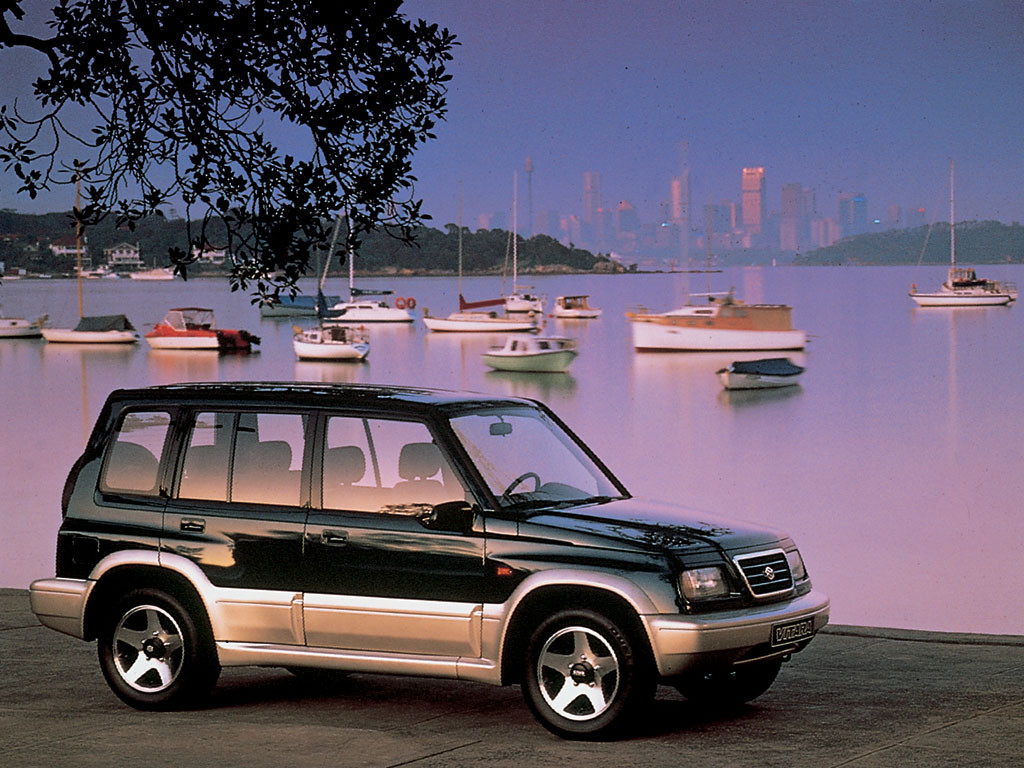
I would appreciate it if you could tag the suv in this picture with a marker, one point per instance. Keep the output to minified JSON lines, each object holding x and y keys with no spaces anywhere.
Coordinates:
{"x":406,"y":531}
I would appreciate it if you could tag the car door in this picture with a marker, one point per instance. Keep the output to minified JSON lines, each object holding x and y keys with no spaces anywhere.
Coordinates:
{"x":378,"y":577}
{"x":238,"y":512}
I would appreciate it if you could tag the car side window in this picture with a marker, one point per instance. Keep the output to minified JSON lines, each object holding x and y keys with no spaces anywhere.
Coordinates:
{"x":132,"y":462}
{"x":260,"y":453}
{"x":386,"y":466}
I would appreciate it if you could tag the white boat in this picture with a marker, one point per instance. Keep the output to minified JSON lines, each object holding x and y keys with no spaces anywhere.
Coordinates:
{"x":520,"y":300}
{"x":97,"y":329}
{"x":471,"y":318}
{"x":19,"y":327}
{"x":160,"y":273}
{"x":541,"y":354}
{"x":575,"y":308}
{"x":479,"y":322}
{"x":963,"y":287}
{"x":357,"y":310}
{"x":768,"y":373}
{"x":330,"y":342}
{"x":724,"y":324}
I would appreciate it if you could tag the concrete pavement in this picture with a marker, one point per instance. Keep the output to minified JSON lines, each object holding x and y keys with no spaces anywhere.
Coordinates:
{"x":855,"y":697}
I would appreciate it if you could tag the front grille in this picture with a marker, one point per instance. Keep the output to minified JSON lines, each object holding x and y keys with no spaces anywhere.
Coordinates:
{"x":766,"y":573}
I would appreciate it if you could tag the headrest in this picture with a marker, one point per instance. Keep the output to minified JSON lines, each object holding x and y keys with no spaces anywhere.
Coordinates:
{"x":346,"y":464}
{"x":418,"y":460}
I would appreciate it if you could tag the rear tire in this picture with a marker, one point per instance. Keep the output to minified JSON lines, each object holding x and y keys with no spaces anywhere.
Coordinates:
{"x":154,"y":654}
{"x":584,"y":678}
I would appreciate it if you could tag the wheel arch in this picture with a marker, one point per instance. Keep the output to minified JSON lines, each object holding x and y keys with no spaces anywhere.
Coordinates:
{"x":551,"y":598}
{"x":121,"y":574}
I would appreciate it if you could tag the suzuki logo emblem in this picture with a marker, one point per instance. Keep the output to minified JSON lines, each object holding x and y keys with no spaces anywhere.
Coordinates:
{"x":769,"y":573}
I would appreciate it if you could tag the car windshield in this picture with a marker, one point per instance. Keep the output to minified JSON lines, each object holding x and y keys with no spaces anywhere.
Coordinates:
{"x":529,"y":461}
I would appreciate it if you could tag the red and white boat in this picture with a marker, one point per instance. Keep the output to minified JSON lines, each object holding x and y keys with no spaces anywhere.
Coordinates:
{"x":194,"y":328}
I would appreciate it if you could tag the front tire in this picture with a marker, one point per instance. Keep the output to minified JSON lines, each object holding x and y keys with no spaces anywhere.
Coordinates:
{"x":584,"y":677}
{"x":154,"y":654}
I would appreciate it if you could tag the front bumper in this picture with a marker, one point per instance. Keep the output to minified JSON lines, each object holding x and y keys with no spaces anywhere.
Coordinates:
{"x":682,"y":643}
{"x":60,"y":604}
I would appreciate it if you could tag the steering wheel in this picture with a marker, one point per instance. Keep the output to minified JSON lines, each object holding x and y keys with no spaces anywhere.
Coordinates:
{"x":519,"y":480}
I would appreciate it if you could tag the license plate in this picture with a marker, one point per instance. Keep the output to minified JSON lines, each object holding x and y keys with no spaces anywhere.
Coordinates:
{"x":792,"y":632}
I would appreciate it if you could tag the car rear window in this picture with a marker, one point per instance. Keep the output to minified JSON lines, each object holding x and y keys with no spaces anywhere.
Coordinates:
{"x":133,"y":460}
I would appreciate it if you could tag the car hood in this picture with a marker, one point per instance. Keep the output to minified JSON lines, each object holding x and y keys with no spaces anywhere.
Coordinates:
{"x":648,"y":525}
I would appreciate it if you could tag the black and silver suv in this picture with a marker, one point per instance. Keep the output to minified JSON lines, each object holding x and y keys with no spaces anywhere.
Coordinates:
{"x":406,"y":531}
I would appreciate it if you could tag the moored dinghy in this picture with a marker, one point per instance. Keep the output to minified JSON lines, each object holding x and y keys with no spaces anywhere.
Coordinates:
{"x":769,"y":373}
{"x":540,"y":354}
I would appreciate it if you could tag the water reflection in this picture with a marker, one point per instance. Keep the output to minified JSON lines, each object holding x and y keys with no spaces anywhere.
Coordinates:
{"x":743,"y":398}
{"x":897,"y":456}
{"x":540,"y":386}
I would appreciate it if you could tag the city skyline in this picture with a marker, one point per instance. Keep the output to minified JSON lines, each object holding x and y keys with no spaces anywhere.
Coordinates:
{"x":843,"y":98}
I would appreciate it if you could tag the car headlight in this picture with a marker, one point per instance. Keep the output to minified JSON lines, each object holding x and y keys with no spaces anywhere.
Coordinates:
{"x":703,"y":583}
{"x":796,"y":565}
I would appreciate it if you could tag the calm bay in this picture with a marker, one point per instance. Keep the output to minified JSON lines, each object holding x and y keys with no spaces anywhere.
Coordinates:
{"x":896,"y":464}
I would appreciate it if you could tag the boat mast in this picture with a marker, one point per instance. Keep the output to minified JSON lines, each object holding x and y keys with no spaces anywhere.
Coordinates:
{"x":515,"y":250}
{"x":952,"y":219}
{"x":78,"y":242}
{"x":460,"y":240}
{"x":350,"y":256}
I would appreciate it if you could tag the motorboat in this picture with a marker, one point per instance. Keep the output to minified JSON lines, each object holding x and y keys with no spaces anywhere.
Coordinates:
{"x":95,"y":329}
{"x":541,"y":354}
{"x":724,"y":323}
{"x":295,"y":306}
{"x":963,"y":287}
{"x":768,"y":373}
{"x":159,"y":273}
{"x":575,"y":308}
{"x":330,"y":342}
{"x":194,"y":328}
{"x":19,"y":327}
{"x":479,"y":322}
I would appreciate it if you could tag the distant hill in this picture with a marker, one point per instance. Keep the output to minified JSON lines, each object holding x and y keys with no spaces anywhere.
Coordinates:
{"x":24,"y":239}
{"x":977,"y":242}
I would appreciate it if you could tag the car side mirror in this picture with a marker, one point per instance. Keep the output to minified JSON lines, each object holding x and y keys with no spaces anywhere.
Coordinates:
{"x":455,"y":516}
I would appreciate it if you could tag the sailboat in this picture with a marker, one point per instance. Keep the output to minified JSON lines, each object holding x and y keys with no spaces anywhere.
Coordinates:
{"x":470,"y":318}
{"x":519,"y":300}
{"x":96,"y":329}
{"x":963,"y":287}
{"x":358,"y":309}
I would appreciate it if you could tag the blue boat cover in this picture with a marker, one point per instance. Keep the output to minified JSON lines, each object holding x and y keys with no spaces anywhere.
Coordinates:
{"x":771,"y":366}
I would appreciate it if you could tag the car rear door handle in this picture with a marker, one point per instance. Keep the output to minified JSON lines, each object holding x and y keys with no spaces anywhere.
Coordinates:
{"x":193,"y":524}
{"x":334,"y":538}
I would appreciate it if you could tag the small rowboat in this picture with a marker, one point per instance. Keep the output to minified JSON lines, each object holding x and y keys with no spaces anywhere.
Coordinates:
{"x":768,"y":373}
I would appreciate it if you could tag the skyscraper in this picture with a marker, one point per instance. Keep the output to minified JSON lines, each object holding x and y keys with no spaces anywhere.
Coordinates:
{"x":591,"y":196}
{"x":753,"y":200}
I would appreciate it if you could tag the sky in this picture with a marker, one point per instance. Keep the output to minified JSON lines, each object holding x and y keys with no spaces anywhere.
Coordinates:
{"x":843,"y":97}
